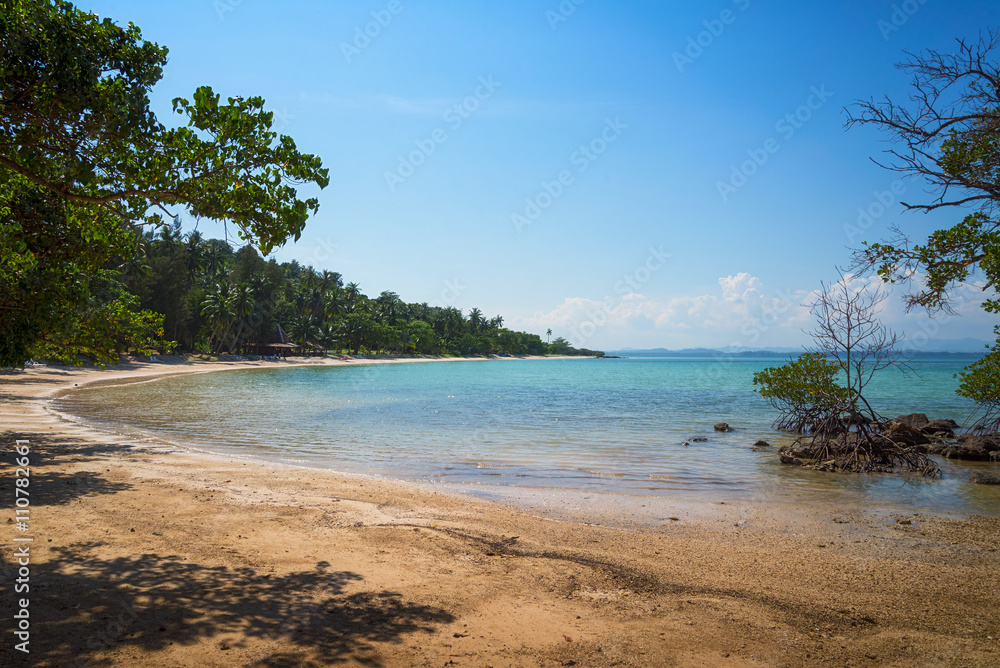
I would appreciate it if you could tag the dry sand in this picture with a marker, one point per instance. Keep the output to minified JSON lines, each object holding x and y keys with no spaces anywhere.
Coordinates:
{"x":147,"y":557}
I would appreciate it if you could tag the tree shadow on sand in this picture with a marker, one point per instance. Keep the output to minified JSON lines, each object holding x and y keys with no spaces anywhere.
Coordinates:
{"x":83,"y":605}
{"x":50,"y":487}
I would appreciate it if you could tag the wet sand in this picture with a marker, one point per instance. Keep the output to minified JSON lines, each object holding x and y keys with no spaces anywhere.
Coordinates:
{"x":144,"y":556}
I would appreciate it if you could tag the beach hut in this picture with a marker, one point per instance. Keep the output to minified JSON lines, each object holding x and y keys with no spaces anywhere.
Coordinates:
{"x":279,"y":345}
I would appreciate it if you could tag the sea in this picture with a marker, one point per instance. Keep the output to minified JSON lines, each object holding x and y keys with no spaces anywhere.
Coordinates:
{"x":620,"y":427}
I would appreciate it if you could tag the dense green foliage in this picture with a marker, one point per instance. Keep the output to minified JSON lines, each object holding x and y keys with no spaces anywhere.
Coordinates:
{"x":805,"y":391}
{"x":85,"y":164}
{"x":218,"y":300}
{"x":56,"y":295}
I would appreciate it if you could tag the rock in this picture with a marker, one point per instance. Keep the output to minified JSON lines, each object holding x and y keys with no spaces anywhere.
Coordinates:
{"x":801,"y":449}
{"x":980,"y":478}
{"x":987,"y":443}
{"x":761,"y":444}
{"x":723,"y":426}
{"x":962,"y":438}
{"x":937,"y":448}
{"x":903,"y":433}
{"x":965,"y":452}
{"x":913,"y":419}
{"x":995,"y":456}
{"x":940,"y":428}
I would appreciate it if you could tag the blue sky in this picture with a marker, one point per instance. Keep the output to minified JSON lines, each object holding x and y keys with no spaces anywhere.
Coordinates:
{"x":560,"y":163}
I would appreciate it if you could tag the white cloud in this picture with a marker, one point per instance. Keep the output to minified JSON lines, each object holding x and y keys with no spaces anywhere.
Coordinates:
{"x":742,"y":313}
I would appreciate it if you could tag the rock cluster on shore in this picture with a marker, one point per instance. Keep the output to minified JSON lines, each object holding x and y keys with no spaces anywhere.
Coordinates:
{"x":938,"y":438}
{"x":916,"y":431}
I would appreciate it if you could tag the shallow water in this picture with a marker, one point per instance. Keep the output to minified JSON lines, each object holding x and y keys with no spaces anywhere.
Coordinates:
{"x":601,"y":426}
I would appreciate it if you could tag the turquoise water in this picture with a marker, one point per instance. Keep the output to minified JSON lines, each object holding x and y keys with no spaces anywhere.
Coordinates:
{"x":602,"y":426}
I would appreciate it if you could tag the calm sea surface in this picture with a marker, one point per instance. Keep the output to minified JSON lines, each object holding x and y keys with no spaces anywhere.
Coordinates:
{"x":600,"y":426}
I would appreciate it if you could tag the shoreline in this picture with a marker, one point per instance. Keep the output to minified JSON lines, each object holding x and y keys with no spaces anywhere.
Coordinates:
{"x":181,"y":558}
{"x":634,"y":503}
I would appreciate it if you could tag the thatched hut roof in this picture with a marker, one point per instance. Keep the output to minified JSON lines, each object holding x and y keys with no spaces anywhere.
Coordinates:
{"x":278,"y":339}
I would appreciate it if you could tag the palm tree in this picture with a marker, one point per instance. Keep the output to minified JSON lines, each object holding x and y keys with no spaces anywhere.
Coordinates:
{"x":243,"y":306}
{"x":193,"y":256}
{"x":217,"y":309}
{"x":332,"y":304}
{"x":302,"y":328}
{"x":329,"y":280}
{"x":451,"y":321}
{"x":548,"y":335}
{"x":137,"y":266}
{"x":475,"y":320}
{"x":171,"y":233}
{"x":308,"y":278}
{"x":351,"y":293}
{"x":213,"y":262}
{"x":387,"y":306}
{"x":327,"y":335}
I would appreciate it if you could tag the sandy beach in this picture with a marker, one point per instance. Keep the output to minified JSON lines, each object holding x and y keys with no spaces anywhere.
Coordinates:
{"x":146,"y":556}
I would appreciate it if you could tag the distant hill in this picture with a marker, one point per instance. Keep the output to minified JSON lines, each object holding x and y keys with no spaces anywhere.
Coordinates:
{"x":966,"y":345}
{"x":937,"y":346}
{"x":701,"y":352}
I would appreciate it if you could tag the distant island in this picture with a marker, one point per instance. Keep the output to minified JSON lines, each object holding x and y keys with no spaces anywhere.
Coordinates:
{"x":963,"y":347}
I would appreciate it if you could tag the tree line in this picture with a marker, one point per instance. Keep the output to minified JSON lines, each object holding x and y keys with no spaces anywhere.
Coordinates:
{"x":215,"y":299}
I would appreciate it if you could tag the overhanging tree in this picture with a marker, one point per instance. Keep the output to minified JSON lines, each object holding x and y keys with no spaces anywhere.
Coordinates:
{"x":948,"y":134}
{"x":83,"y":157}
